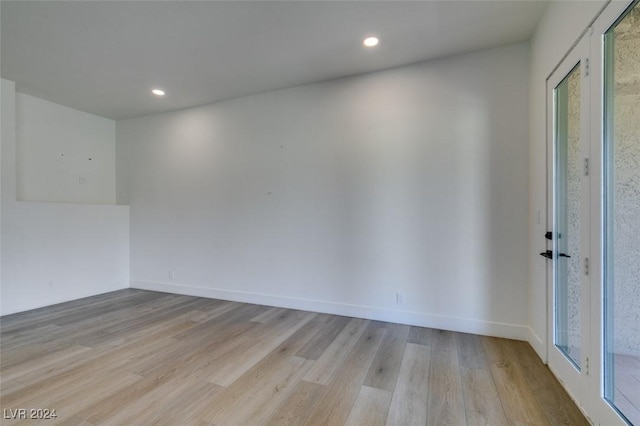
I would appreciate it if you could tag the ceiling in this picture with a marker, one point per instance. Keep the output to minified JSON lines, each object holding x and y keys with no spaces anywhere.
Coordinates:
{"x":105,"y":57}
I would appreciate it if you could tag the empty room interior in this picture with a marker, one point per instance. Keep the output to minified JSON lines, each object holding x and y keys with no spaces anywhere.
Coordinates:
{"x":320,"y":212}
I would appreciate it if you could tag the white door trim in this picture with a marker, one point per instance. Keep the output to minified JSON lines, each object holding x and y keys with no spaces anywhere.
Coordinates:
{"x":574,"y":380}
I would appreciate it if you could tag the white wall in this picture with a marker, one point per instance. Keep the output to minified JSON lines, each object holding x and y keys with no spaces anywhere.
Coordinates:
{"x":52,"y":252}
{"x":559,"y":28}
{"x":336,"y":195}
{"x":63,"y":155}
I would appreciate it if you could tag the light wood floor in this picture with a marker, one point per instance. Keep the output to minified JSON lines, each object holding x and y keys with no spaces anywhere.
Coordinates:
{"x":141,"y":358}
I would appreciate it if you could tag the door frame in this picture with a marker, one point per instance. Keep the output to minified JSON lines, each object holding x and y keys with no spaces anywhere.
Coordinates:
{"x":574,"y":380}
{"x":591,"y":391}
{"x":602,"y":410}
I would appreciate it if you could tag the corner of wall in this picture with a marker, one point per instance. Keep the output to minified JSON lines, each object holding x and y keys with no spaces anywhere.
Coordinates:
{"x":54,"y":252}
{"x":538,"y":345}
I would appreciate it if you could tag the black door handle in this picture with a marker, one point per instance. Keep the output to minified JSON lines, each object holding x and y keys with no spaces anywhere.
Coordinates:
{"x":549,"y":235}
{"x":549,"y":254}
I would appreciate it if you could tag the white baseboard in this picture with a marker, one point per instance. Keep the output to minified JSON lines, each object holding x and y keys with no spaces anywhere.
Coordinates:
{"x":16,"y":309}
{"x":538,"y":345}
{"x":441,"y":322}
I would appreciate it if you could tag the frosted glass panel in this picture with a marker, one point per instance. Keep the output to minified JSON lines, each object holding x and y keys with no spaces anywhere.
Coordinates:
{"x":622,"y":215}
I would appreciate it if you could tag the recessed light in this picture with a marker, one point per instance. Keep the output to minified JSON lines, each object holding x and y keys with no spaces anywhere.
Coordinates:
{"x":370,"y":41}
{"x":158,"y":92}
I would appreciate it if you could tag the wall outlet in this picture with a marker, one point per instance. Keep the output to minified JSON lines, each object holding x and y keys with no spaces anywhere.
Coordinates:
{"x":400,"y":298}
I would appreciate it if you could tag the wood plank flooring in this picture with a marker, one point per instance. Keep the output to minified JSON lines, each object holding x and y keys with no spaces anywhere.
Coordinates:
{"x":136,"y":357}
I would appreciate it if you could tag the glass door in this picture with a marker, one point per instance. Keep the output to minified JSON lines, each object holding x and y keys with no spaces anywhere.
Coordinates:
{"x":568,"y":232}
{"x":622,"y":215}
{"x":593,"y":187}
{"x":567,"y":242}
